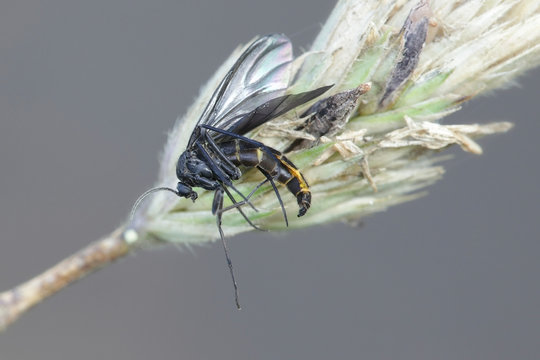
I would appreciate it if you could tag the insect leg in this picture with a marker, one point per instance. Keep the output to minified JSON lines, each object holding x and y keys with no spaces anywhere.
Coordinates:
{"x":274,"y":155}
{"x":219,"y":173}
{"x":266,"y":174}
{"x":243,"y":202}
{"x":233,"y":200}
{"x":215,"y":169}
{"x":243,"y":138}
{"x":269,"y":178}
{"x":218,"y":202}
{"x":232,"y":169}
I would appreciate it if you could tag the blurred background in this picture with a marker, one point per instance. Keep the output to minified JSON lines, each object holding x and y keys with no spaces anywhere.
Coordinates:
{"x":88,"y":90}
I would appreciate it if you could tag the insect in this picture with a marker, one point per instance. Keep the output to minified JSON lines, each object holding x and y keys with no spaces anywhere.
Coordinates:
{"x":329,"y":115}
{"x":251,"y":93}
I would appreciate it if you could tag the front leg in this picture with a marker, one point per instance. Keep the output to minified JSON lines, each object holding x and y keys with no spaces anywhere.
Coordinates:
{"x":230,"y":169}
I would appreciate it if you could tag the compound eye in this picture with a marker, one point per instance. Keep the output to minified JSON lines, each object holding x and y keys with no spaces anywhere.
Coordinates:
{"x":183,"y":190}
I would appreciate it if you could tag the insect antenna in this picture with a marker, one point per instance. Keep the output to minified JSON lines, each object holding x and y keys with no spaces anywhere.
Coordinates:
{"x":145,"y":194}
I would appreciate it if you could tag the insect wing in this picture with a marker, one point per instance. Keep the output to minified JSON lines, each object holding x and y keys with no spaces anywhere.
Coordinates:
{"x":260,"y":74}
{"x":274,"y":108}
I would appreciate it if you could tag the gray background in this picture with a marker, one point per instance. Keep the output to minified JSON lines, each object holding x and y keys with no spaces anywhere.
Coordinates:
{"x":88,"y":90}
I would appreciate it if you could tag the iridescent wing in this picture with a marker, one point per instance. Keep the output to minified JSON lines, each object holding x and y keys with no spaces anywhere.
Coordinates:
{"x":252,"y":91}
{"x":272,"y":109}
{"x":261,"y":73}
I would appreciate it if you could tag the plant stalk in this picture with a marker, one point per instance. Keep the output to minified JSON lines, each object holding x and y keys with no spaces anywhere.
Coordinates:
{"x":16,"y":301}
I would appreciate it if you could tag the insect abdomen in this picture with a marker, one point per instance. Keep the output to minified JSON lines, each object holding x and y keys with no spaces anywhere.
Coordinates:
{"x":282,"y":169}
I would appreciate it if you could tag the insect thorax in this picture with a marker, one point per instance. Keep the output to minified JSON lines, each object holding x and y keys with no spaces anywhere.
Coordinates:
{"x":193,"y":171}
